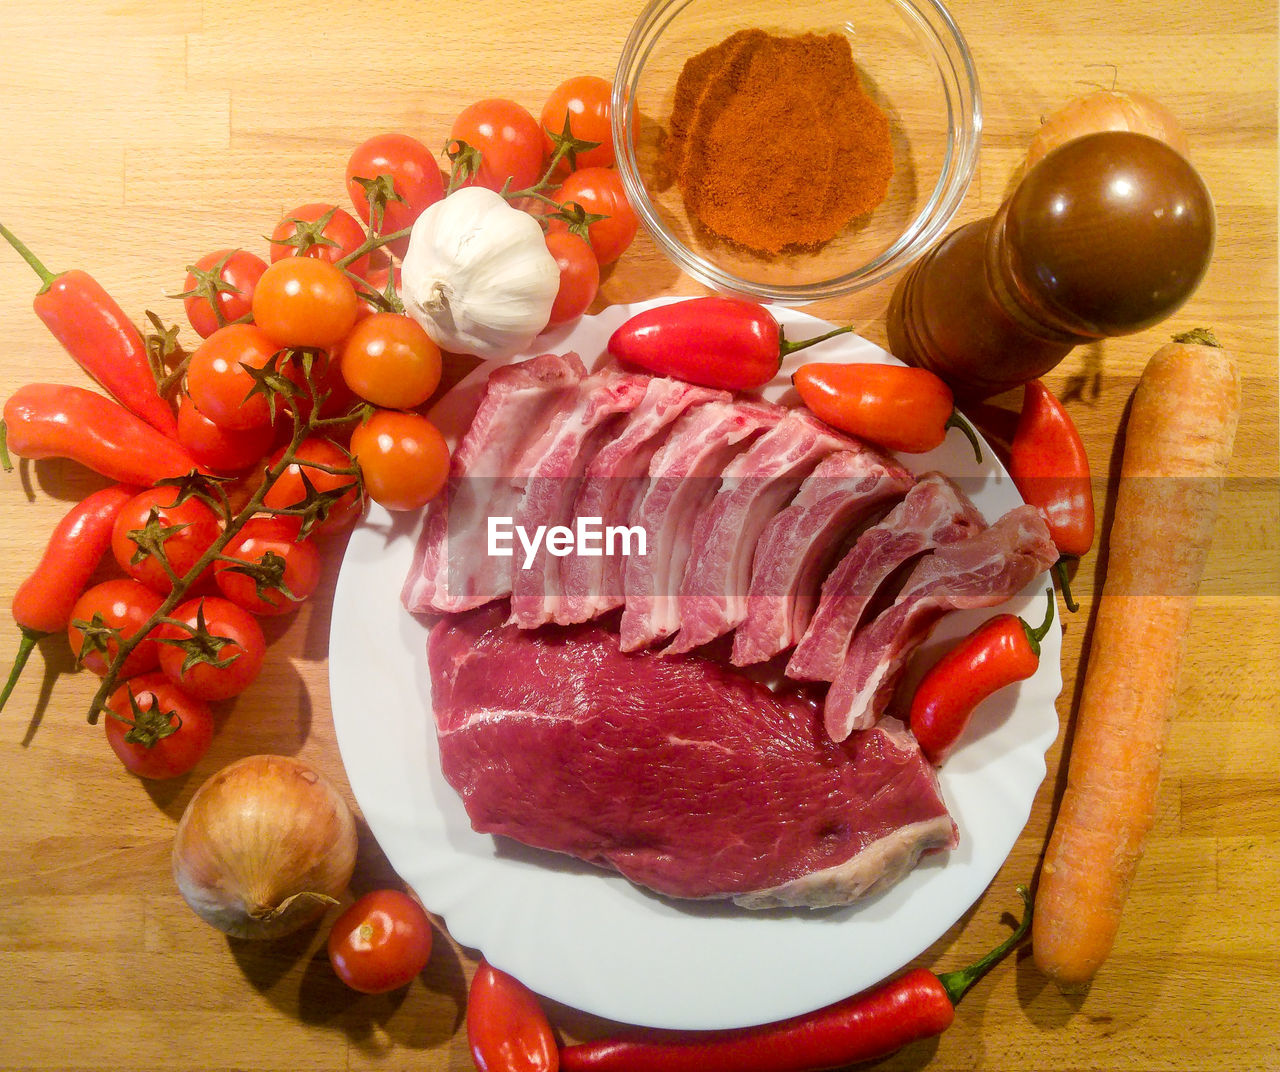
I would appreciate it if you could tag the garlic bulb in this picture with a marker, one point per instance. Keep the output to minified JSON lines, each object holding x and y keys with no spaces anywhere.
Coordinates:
{"x":265,"y":845}
{"x":478,"y":275}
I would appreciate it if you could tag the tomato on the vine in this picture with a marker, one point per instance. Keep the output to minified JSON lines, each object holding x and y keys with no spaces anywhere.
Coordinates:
{"x":579,"y":276}
{"x":301,"y":233}
{"x":274,"y":569}
{"x":220,"y":383}
{"x":154,"y":523}
{"x":584,"y":103}
{"x":598,"y":191}
{"x":403,"y":458}
{"x":304,"y":302}
{"x":210,"y":648}
{"x":234,"y":273}
{"x":508,"y":139}
{"x":222,"y":450}
{"x":412,"y":174}
{"x":316,"y":487}
{"x":104,"y":615}
{"x":381,"y":942}
{"x":390,"y":360}
{"x":155,"y":728}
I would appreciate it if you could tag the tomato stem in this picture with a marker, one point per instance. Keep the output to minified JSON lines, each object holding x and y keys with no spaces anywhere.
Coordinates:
{"x":957,"y":983}
{"x":6,"y":463}
{"x":46,"y":277}
{"x":375,"y":240}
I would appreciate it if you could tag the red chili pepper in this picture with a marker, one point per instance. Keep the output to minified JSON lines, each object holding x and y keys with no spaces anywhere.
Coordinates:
{"x":506,"y":1027}
{"x":728,"y":343}
{"x":1050,"y":469}
{"x":1002,"y":650}
{"x":43,"y":602}
{"x":914,"y":1006}
{"x":897,"y":406}
{"x":47,"y":420}
{"x":96,"y":332}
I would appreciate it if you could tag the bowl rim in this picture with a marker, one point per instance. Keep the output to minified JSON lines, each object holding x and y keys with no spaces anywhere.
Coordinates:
{"x":945,"y":43}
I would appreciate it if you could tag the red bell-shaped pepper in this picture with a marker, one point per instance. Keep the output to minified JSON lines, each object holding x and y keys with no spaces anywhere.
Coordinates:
{"x":722,"y":342}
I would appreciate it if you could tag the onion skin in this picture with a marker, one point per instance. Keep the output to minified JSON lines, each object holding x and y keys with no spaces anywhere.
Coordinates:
{"x":1108,"y":109}
{"x":264,"y":847}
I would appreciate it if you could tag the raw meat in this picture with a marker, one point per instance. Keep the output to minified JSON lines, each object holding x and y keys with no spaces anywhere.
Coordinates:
{"x":679,"y":773}
{"x":683,"y":478}
{"x":452,"y":569}
{"x":754,"y":487}
{"x":981,"y":571}
{"x":551,"y":487}
{"x":934,"y":512}
{"x":795,"y":547}
{"x":614,"y":479}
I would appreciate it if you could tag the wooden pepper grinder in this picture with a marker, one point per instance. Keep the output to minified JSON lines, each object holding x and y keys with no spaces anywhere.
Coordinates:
{"x":1106,"y":235}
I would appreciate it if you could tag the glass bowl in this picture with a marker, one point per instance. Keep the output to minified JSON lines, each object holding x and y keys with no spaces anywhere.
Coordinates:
{"x":913,"y":62}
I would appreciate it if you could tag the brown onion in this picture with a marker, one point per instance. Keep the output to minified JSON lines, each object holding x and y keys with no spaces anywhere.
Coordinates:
{"x":265,"y":845}
{"x":1107,"y":109}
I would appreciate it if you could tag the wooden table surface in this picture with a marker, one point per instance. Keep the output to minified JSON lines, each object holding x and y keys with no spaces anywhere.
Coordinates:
{"x":136,"y":136}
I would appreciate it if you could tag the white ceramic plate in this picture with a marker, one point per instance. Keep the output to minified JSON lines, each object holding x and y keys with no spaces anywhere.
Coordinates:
{"x":590,"y":939}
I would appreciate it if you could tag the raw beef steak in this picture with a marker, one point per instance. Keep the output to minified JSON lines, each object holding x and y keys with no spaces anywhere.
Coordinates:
{"x":687,"y":778}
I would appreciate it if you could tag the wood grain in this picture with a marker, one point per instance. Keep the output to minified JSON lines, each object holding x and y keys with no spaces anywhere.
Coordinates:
{"x":135,"y":137}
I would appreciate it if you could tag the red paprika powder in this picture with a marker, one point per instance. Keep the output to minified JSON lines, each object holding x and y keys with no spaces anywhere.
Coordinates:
{"x":774,"y":143}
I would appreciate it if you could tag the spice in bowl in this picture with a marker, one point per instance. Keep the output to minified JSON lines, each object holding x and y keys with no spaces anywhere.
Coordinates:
{"x":774,"y":143}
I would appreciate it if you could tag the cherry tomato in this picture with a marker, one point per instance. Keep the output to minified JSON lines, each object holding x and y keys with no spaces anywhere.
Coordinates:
{"x":287,"y":567}
{"x":123,"y":605}
{"x":237,"y":273}
{"x":299,"y":233}
{"x":381,"y":942}
{"x":166,"y":736}
{"x":584,"y":102}
{"x":403,"y":458}
{"x":154,"y":522}
{"x":222,"y":450}
{"x":335,"y":503}
{"x":506,"y":1027}
{"x":413,"y":173}
{"x":222,"y":663}
{"x":579,"y":276}
{"x":599,"y":192}
{"x":219,"y":384}
{"x":509,"y":141}
{"x":389,"y":360}
{"x":301,"y":301}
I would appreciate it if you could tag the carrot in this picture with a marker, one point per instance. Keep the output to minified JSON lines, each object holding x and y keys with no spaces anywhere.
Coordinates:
{"x":1178,"y":444}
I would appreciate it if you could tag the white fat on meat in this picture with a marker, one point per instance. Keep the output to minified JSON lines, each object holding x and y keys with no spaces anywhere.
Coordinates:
{"x":799,"y":542}
{"x":683,"y":478}
{"x":518,"y":414}
{"x":984,"y":570}
{"x":934,"y":512}
{"x":592,"y":585}
{"x":755,"y":486}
